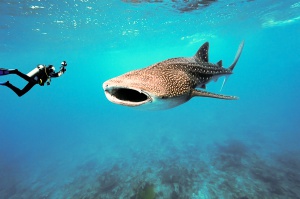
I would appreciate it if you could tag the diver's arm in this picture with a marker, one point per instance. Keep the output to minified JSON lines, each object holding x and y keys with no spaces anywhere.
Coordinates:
{"x":61,"y":71}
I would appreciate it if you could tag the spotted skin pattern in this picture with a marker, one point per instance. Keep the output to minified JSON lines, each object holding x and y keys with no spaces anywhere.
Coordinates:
{"x":176,"y":77}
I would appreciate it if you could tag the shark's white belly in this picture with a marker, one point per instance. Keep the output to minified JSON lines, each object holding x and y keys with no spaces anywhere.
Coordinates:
{"x":163,"y":103}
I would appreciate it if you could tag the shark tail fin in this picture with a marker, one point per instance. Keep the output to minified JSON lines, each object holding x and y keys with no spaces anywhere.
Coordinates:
{"x":231,"y":67}
{"x":237,"y":56}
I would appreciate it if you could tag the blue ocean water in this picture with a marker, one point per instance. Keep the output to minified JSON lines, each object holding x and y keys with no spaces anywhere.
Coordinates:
{"x":67,"y":140}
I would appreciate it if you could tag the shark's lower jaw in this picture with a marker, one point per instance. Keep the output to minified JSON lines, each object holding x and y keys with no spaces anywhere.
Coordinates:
{"x":126,"y":96}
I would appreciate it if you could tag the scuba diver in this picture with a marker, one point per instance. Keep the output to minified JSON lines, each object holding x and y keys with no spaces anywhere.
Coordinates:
{"x":40,"y":75}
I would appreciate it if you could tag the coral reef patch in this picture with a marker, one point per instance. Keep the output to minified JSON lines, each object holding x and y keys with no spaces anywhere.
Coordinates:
{"x":228,"y":169}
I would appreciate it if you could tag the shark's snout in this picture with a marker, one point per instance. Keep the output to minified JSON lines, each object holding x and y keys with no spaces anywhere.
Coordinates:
{"x":126,"y":96}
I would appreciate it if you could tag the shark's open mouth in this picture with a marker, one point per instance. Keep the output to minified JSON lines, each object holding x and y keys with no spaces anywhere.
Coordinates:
{"x":126,"y":96}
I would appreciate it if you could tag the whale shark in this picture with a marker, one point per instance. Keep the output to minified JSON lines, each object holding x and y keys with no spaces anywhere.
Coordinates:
{"x":169,"y":83}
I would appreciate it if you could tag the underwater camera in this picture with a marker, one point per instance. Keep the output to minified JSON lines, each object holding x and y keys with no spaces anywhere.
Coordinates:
{"x":63,"y":64}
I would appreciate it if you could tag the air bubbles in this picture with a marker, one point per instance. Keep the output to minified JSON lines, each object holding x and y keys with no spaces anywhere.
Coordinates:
{"x":59,"y":22}
{"x":130,"y":32}
{"x":295,"y":5}
{"x":36,"y":7}
{"x":88,"y":20}
{"x":74,"y":22}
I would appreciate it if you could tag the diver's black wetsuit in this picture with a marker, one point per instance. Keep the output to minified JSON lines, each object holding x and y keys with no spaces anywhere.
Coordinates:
{"x":39,"y":75}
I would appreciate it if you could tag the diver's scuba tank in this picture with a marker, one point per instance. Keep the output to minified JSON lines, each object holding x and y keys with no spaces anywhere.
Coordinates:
{"x":40,"y":74}
{"x":36,"y":71}
{"x":36,"y":74}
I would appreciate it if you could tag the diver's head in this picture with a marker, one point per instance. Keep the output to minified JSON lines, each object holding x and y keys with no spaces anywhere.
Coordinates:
{"x":50,"y":68}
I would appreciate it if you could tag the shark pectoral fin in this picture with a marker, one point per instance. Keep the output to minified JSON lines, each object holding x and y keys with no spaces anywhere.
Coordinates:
{"x":201,"y":93}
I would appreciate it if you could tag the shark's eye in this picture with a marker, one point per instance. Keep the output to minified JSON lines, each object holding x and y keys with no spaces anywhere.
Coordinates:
{"x":131,"y":95}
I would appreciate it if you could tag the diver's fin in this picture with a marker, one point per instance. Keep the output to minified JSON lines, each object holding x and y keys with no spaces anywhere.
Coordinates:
{"x":201,"y":93}
{"x":202,"y":53}
{"x":4,"y":83}
{"x":4,"y":71}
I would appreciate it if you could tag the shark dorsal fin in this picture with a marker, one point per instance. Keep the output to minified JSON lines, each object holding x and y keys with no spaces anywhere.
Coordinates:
{"x":219,"y":63}
{"x":202,"y":53}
